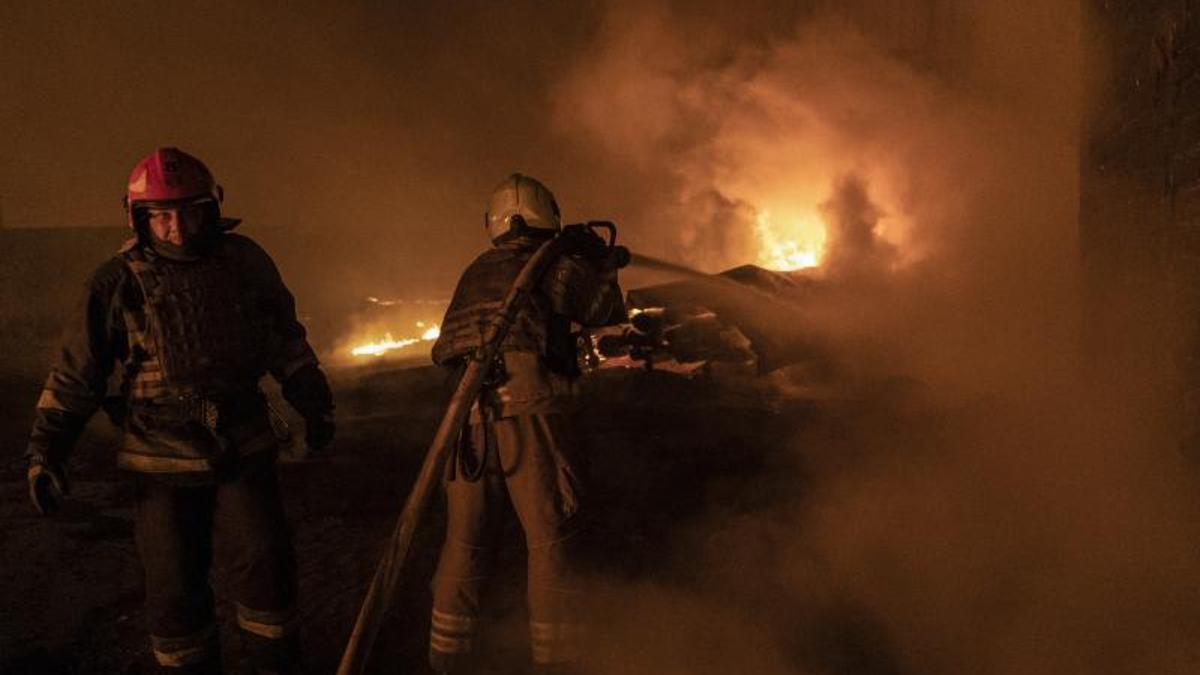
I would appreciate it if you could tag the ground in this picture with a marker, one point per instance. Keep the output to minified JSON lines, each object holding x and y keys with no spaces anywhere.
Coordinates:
{"x":666,"y":454}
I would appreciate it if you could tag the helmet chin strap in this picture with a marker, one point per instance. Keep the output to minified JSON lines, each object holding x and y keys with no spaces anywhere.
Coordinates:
{"x":530,"y":239}
{"x":190,"y":251}
{"x":521,"y":234}
{"x":186,"y":253}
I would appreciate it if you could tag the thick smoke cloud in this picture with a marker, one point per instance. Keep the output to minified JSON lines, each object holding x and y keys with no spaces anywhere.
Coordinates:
{"x":997,"y":518}
{"x":855,"y":245}
{"x":971,"y":167}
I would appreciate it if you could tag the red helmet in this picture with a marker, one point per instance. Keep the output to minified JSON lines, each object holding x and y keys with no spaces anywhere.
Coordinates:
{"x":170,"y":177}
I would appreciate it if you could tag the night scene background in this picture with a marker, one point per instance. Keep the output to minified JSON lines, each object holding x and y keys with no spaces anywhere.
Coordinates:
{"x":937,"y":416}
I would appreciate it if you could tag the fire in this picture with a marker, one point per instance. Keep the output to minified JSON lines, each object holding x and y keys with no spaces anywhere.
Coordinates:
{"x":389,"y":343}
{"x":780,"y":252}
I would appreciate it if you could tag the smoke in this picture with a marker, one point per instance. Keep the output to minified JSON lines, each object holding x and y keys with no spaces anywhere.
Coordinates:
{"x":958,"y":174}
{"x":997,"y":517}
{"x":855,"y":245}
{"x":767,"y":125}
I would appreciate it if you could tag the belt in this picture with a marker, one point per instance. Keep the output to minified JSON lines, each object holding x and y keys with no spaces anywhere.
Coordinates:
{"x":209,"y":410}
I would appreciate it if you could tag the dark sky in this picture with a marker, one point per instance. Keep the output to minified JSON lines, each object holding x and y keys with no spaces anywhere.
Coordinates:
{"x":369,"y":135}
{"x":373,"y":129}
{"x":371,"y":132}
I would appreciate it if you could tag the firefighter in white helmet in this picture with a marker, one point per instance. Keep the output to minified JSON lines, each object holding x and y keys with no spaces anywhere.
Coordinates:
{"x":517,"y":446}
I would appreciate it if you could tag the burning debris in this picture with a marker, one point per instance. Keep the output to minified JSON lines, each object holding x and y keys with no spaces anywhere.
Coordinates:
{"x":389,"y":343}
{"x":747,"y":316}
{"x":381,"y":327}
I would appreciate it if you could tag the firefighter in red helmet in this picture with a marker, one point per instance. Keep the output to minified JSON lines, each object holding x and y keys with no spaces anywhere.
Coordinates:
{"x":178,"y":327}
{"x":519,"y":447}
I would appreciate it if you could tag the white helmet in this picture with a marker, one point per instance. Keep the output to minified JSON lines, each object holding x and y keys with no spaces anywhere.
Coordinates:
{"x":520,"y":204}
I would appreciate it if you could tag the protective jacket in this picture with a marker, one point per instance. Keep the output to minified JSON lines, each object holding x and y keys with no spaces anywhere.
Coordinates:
{"x":538,"y":356}
{"x":179,"y":347}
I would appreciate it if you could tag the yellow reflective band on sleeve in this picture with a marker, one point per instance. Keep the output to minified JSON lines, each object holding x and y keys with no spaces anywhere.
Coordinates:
{"x":54,"y":400}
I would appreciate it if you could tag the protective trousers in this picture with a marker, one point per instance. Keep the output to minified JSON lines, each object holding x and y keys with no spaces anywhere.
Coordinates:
{"x":174,"y":530}
{"x":529,"y":464}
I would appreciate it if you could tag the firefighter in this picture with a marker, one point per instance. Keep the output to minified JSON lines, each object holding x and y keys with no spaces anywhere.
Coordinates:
{"x":517,"y":446}
{"x":177,"y":328}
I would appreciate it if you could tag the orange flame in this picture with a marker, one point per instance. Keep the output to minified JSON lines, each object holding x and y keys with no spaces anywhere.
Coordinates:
{"x":389,"y":343}
{"x":797,"y":245}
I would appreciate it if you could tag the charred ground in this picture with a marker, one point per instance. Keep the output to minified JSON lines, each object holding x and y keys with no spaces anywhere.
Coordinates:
{"x":668,"y":455}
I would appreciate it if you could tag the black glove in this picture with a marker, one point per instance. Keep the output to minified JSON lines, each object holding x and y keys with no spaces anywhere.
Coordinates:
{"x":47,"y":485}
{"x":318,"y":432}
{"x":308,"y":392}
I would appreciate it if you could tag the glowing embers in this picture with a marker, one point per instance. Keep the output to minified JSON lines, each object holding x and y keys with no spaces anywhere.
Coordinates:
{"x":797,"y":245}
{"x":389,"y":343}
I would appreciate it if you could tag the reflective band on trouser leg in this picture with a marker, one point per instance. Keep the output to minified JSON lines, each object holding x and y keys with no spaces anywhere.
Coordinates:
{"x":270,"y":639}
{"x":554,"y":643}
{"x":267,"y":623}
{"x":451,"y":633}
{"x":179,"y":652}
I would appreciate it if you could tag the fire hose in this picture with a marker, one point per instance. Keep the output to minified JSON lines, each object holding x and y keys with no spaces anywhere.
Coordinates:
{"x":578,"y":239}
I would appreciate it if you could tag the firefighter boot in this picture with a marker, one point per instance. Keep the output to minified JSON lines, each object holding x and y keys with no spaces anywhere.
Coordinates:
{"x":198,"y":653}
{"x":269,"y":656}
